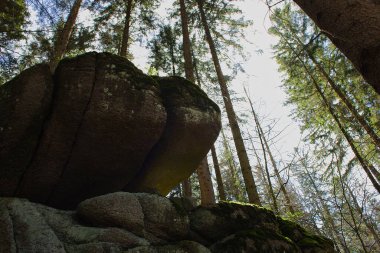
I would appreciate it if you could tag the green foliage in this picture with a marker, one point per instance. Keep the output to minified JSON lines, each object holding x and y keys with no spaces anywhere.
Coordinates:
{"x":110,"y":17}
{"x":13,"y":16}
{"x":298,"y":39}
{"x":166,"y":51}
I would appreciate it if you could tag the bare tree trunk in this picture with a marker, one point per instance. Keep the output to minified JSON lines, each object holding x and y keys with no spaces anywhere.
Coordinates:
{"x":186,"y":188}
{"x":127,"y":22}
{"x":232,"y":168}
{"x":189,"y":71}
{"x":267,"y":183}
{"x":353,"y":26}
{"x":64,"y":36}
{"x":219,"y":181}
{"x":276,"y":171}
{"x":270,"y":186}
{"x":250,"y":184}
{"x":204,"y":176}
{"x":205,"y":183}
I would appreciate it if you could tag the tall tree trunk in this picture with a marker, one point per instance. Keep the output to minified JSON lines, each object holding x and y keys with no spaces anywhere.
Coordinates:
{"x":367,"y":167}
{"x":250,"y":184}
{"x":204,"y":176}
{"x":353,"y":26}
{"x":127,"y":23}
{"x":63,"y":38}
{"x":186,"y":188}
{"x":267,"y":184}
{"x":276,"y":171}
{"x":271,"y":191}
{"x":205,"y":184}
{"x":189,"y":71}
{"x":219,"y":181}
{"x":232,"y":168}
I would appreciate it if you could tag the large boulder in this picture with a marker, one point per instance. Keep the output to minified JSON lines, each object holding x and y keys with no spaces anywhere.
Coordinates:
{"x":107,"y":115}
{"x":96,"y":125}
{"x":24,"y":105}
{"x":193,"y":124}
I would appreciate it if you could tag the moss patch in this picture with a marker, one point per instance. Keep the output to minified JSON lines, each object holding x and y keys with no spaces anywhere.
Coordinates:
{"x":256,"y":240}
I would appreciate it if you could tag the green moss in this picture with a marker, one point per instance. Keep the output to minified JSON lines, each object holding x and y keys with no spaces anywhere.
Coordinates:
{"x":256,"y":240}
{"x":175,"y":86}
{"x":308,"y":243}
{"x":288,"y":227}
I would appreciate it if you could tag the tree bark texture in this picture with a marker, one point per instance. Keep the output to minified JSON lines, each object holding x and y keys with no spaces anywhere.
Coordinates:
{"x":204,"y":176}
{"x":250,"y":184}
{"x":64,"y":36}
{"x":219,"y":181}
{"x":189,"y":72}
{"x":354,"y":27}
{"x":205,"y":183}
{"x":127,"y":23}
{"x":186,"y":188}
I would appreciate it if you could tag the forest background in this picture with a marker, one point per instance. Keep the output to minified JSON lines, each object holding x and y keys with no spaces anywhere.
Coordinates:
{"x":300,"y":126}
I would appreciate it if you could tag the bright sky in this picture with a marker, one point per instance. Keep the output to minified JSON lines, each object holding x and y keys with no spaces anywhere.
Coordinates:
{"x":262,"y":78}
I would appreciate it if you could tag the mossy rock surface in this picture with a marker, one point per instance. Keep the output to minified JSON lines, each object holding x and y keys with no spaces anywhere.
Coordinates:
{"x":241,"y":227}
{"x":258,"y":240}
{"x":225,"y":218}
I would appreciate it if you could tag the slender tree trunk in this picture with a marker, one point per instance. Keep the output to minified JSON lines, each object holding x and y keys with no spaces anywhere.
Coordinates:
{"x":232,"y":168}
{"x":349,"y":139}
{"x":204,"y":176}
{"x":276,"y":171}
{"x":326,"y":212}
{"x":355,"y":226}
{"x":271,"y":191}
{"x":267,"y":184}
{"x":189,"y":71}
{"x":367,"y":222}
{"x":186,"y":188}
{"x":127,"y":23}
{"x":353,"y":26}
{"x":262,"y":173}
{"x":250,"y":184}
{"x":205,"y":184}
{"x":219,"y":181}
{"x":64,"y":36}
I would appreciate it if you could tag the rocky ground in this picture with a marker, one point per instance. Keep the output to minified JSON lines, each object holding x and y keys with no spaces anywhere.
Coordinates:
{"x":148,"y":223}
